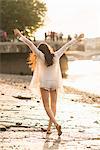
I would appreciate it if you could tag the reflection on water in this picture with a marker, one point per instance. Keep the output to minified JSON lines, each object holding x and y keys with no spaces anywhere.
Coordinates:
{"x":84,"y":75}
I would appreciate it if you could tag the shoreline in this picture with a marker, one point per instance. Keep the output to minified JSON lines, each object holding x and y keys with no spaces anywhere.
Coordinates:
{"x":21,"y":82}
{"x":86,"y":97}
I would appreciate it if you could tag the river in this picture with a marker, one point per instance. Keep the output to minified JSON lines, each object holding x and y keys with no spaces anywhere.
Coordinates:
{"x":84,"y":75}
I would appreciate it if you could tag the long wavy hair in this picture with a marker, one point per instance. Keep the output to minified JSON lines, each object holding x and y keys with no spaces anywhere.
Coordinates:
{"x":48,"y":54}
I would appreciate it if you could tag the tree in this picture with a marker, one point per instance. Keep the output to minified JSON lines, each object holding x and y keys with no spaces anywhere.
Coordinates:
{"x":27,"y":15}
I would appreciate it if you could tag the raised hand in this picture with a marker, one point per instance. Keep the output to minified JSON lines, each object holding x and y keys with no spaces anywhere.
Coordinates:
{"x":17,"y":32}
{"x":79,"y":38}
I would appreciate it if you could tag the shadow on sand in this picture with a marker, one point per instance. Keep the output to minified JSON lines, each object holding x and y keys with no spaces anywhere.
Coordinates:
{"x":51,"y":144}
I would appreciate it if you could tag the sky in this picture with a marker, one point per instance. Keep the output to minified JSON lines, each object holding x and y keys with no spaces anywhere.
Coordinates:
{"x":71,"y":17}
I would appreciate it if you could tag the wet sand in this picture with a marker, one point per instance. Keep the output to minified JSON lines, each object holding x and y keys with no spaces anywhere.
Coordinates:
{"x":22,"y":117}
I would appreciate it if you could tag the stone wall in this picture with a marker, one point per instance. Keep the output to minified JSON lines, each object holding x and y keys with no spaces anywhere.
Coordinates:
{"x":13,"y":57}
{"x":14,"y":63}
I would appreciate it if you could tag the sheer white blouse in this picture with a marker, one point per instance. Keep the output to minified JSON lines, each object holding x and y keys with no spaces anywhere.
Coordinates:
{"x":46,"y":77}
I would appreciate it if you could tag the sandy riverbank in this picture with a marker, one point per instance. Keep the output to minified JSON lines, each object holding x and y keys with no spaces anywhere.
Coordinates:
{"x":21,"y":119}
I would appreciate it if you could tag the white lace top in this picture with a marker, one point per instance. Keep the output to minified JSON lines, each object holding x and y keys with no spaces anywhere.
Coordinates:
{"x":46,"y":77}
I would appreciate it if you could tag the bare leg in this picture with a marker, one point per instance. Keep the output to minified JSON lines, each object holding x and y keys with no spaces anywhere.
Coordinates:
{"x":53,"y":96}
{"x":45,"y":99}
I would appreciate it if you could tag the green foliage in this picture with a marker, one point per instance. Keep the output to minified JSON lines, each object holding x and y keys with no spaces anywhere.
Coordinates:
{"x":22,"y":14}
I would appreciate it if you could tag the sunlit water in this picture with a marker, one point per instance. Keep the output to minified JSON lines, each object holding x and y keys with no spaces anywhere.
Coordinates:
{"x":84,"y":75}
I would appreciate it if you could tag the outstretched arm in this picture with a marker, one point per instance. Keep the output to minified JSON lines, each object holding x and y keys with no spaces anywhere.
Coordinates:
{"x":60,"y":52}
{"x":28,"y":43}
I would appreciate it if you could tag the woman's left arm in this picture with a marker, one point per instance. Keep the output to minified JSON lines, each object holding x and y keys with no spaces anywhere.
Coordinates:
{"x":67,"y":45}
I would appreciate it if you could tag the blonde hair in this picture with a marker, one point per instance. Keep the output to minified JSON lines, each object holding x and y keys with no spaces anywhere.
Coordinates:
{"x":31,"y":60}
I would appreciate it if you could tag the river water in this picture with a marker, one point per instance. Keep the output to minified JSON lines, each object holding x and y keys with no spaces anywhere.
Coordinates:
{"x":84,"y":75}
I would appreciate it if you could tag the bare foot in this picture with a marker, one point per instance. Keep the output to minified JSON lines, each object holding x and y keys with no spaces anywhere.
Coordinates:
{"x":49,"y":132}
{"x":58,"y":127}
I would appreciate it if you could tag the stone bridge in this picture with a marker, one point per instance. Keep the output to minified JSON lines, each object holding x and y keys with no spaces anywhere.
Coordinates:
{"x":13,"y":55}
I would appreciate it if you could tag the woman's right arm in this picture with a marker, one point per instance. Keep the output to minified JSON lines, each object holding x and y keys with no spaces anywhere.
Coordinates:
{"x":28,"y":43}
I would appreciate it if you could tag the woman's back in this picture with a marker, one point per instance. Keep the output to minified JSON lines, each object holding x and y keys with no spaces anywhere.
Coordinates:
{"x":48,"y":77}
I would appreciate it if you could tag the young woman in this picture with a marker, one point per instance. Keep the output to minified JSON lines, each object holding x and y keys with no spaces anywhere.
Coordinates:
{"x":47,"y":74}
